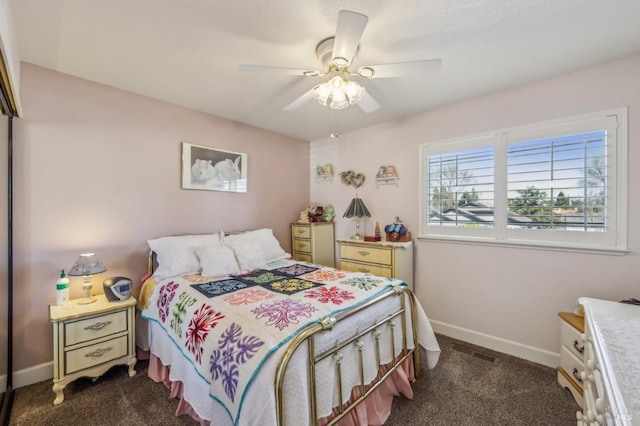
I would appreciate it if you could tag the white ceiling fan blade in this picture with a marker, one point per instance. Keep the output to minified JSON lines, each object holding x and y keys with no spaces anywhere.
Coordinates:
{"x":348,"y":34}
{"x":279,"y":70}
{"x":368,"y":104}
{"x":300,"y":101}
{"x":401,"y":69}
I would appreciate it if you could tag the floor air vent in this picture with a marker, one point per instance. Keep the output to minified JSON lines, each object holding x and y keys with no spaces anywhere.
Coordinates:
{"x":474,"y":353}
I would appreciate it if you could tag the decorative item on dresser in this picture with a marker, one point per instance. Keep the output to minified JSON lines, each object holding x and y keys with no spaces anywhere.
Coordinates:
{"x":89,"y":339}
{"x":387,"y":259}
{"x":611,"y":376}
{"x":572,"y":355}
{"x":313,"y":242}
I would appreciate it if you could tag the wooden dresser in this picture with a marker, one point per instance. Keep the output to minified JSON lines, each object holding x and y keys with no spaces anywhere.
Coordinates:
{"x":384,"y":258}
{"x":314,"y":242}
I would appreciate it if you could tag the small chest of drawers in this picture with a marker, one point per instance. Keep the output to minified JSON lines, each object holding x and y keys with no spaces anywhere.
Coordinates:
{"x":90,"y":339}
{"x":572,"y":355}
{"x":313,"y":242}
{"x":387,"y":259}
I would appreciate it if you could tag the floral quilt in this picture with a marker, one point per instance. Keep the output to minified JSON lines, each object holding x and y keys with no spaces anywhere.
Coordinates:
{"x":228,"y":327}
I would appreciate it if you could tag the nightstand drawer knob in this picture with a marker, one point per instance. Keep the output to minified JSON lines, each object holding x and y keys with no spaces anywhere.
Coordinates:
{"x":363,"y":253}
{"x":98,"y":352}
{"x":365,"y":270}
{"x":97,"y":326}
{"x":580,"y":349}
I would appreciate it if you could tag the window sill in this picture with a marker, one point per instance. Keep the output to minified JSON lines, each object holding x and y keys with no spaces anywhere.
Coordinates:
{"x":532,"y":245}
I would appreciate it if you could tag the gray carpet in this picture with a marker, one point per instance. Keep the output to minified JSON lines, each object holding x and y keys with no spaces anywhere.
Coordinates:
{"x":465,"y":388}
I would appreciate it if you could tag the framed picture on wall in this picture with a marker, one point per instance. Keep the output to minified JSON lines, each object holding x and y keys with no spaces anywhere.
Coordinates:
{"x":213,"y":169}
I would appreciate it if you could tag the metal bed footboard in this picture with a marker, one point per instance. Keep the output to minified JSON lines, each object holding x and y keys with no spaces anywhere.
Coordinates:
{"x":327,"y":324}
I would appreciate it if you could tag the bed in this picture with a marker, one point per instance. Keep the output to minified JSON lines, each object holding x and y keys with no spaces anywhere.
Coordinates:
{"x":245,"y":335}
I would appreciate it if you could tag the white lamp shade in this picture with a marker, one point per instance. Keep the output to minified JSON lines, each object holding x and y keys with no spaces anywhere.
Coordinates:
{"x":87,"y":264}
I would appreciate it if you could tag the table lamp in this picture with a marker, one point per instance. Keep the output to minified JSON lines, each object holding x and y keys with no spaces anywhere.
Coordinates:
{"x":358,"y":210}
{"x":86,"y":265}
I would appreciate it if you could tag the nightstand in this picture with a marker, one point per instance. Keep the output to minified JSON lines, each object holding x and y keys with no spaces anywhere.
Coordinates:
{"x":384,"y":258}
{"x":313,"y":242}
{"x":90,"y":339}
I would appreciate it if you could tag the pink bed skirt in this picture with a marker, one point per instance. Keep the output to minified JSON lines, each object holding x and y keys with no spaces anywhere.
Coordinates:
{"x":374,"y":411}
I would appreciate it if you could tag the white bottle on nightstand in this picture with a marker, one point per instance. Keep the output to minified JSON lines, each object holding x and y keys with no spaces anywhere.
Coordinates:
{"x":62,"y":284}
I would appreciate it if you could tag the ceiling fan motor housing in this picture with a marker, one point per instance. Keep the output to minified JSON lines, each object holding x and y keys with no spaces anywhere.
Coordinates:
{"x":324,"y":53}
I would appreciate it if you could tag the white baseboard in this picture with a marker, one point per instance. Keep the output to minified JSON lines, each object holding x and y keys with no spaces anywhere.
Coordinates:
{"x":29,"y":376}
{"x":530,"y":353}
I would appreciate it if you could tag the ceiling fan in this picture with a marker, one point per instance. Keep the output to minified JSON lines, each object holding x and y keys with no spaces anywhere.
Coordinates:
{"x":336,"y":55}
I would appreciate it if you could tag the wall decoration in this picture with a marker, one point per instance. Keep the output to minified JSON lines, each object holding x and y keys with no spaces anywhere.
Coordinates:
{"x":324,"y":173}
{"x":213,"y":169}
{"x":387,"y":175}
{"x":352,"y":178}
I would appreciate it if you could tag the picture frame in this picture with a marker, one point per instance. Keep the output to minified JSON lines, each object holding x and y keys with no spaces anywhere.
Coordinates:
{"x":213,"y":169}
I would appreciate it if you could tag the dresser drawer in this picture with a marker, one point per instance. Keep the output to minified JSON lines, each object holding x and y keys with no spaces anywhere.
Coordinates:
{"x":571,"y":338}
{"x":302,"y":257}
{"x":94,"y":327}
{"x":88,"y":356}
{"x":302,"y":245}
{"x":301,"y":231}
{"x":363,"y":267}
{"x":366,"y":254}
{"x":572,"y":365}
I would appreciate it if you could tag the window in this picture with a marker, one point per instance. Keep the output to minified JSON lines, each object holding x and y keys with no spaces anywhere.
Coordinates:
{"x":558,"y":184}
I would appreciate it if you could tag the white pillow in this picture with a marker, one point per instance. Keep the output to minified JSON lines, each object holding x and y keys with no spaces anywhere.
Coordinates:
{"x":250,"y":255}
{"x":176,"y":255}
{"x":217,"y":261}
{"x":263,"y":238}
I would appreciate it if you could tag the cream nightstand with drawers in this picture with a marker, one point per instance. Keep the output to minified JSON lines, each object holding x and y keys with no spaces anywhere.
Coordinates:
{"x":313,"y":242}
{"x":384,"y":258}
{"x":90,"y":339}
{"x":572,"y":355}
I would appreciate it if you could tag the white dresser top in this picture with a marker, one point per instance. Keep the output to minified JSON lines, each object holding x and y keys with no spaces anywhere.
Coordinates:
{"x":616,"y":336}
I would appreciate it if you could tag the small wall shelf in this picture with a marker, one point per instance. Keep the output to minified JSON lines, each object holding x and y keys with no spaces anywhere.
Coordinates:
{"x":387,"y":181}
{"x":324,"y":178}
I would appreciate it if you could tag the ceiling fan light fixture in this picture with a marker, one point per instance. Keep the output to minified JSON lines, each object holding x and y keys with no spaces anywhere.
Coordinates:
{"x":338,"y":93}
{"x":321,"y":93}
{"x":338,"y":100}
{"x":354,"y":92}
{"x":337,"y":83}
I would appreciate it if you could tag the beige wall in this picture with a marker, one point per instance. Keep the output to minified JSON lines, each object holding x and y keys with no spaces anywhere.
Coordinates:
{"x":99,"y":169}
{"x":494,"y":294}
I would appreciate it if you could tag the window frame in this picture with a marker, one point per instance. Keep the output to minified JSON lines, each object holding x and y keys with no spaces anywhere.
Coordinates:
{"x":611,"y":241}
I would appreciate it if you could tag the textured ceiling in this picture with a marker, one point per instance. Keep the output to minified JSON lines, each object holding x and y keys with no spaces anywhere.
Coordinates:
{"x":187,"y":52}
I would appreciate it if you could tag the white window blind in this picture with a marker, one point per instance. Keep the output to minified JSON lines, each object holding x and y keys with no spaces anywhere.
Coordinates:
{"x":461,"y":186}
{"x":557,"y":184}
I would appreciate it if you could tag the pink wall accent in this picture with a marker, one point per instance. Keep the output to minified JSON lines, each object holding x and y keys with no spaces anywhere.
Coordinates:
{"x":506,"y":293}
{"x":98,"y":169}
